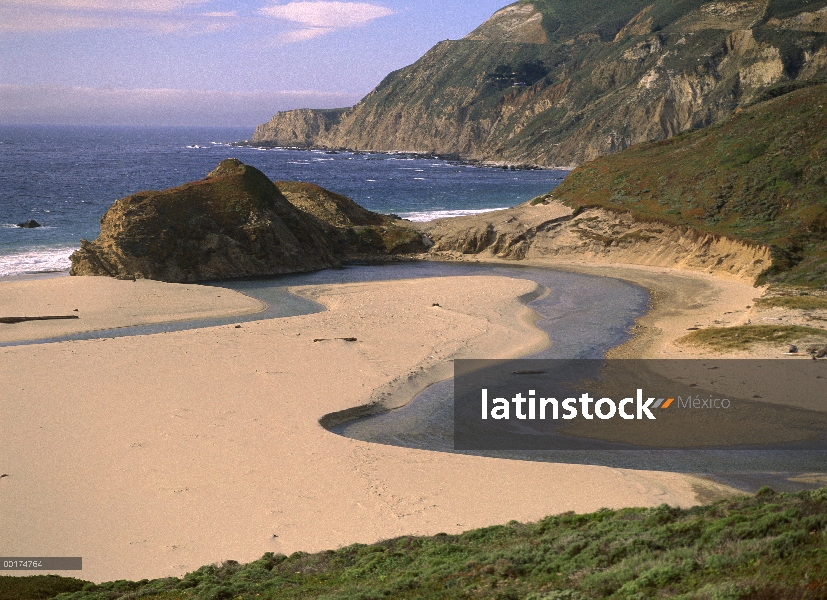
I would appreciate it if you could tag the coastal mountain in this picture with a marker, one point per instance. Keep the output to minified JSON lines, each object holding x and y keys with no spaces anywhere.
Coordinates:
{"x":558,"y":83}
{"x":746,"y":197}
{"x":760,"y":177}
{"x":236,"y":223}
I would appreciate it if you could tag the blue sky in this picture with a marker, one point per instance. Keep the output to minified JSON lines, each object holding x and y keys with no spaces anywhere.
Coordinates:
{"x":209,"y":62}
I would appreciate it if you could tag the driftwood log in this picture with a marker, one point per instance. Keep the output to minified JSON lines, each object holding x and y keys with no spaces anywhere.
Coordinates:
{"x":12,"y":320}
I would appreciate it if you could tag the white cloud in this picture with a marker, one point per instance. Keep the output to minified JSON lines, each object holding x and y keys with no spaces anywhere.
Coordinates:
{"x":109,"y":5}
{"x":314,"y":18}
{"x":321,"y":17}
{"x":157,"y":16}
{"x":73,"y":105}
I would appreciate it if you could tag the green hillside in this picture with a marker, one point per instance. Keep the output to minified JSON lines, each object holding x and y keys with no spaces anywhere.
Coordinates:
{"x":766,"y":546}
{"x":760,"y":176}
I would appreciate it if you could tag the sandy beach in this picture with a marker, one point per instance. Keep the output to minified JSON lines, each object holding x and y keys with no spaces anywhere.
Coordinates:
{"x":103,"y":303}
{"x":680,"y":299}
{"x":152,"y":455}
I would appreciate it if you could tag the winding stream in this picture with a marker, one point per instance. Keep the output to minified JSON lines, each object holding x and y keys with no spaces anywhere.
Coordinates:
{"x":583,"y":315}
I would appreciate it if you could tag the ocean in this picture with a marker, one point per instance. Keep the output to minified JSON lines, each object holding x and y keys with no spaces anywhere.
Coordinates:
{"x":66,"y":178}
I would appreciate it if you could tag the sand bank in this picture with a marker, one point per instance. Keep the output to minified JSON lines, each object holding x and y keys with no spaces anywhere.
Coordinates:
{"x":684,"y":300}
{"x":153,"y":455}
{"x":680,"y":299}
{"x":106,"y":303}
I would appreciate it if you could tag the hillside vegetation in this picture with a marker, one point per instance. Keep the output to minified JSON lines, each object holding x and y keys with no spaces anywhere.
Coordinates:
{"x":766,"y":546}
{"x":760,"y":176}
{"x":556,"y":82}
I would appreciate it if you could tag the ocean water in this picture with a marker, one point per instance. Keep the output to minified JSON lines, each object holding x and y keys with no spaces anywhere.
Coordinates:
{"x":65,"y":178}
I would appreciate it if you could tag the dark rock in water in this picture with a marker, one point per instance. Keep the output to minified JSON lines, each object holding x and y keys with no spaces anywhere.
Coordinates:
{"x":30,"y":224}
{"x":233,"y":223}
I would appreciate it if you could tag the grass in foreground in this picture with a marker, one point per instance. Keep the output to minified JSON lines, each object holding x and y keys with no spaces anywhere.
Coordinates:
{"x":765,"y":546}
{"x":745,"y":337}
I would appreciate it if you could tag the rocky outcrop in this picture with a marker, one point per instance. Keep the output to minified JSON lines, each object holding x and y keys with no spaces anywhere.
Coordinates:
{"x":298,"y":128}
{"x":328,"y":207}
{"x":233,"y":223}
{"x":546,"y":230}
{"x":519,"y":23}
{"x":804,"y":21}
{"x":545,"y":83}
{"x":357,"y":232}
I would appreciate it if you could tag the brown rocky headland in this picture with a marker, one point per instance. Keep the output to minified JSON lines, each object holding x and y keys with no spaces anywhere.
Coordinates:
{"x":236,"y":223}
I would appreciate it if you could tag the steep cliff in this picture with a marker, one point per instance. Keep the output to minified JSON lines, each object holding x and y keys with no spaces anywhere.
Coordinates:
{"x":557,"y":83}
{"x":746,"y":198}
{"x":236,"y":223}
{"x":298,"y":128}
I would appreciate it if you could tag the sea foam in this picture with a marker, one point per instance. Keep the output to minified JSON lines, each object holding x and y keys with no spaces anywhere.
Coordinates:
{"x":36,"y":260}
{"x":430,"y":215}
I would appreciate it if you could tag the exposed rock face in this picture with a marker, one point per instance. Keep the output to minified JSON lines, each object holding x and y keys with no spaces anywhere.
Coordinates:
{"x":329,"y":207}
{"x":805,"y":21}
{"x":520,"y":23}
{"x":234,"y":223}
{"x":30,"y":224}
{"x":298,"y":128}
{"x":358,"y":233}
{"x":550,"y":230}
{"x":589,"y":82}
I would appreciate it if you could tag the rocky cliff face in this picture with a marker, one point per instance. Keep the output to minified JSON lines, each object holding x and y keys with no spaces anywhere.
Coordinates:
{"x":235,"y":223}
{"x":519,"y":23}
{"x":546,"y":230}
{"x":298,"y":128}
{"x":743,"y":198}
{"x":555,"y":84}
{"x":356,"y":232}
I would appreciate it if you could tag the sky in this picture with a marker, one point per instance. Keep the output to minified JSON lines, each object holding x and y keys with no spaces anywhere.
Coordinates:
{"x":209,"y":62}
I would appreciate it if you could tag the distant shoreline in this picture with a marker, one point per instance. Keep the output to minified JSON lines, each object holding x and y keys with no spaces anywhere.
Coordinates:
{"x":456,"y":159}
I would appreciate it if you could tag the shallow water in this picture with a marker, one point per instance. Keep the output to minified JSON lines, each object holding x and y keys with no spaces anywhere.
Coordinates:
{"x":576,"y":332}
{"x":584,"y":317}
